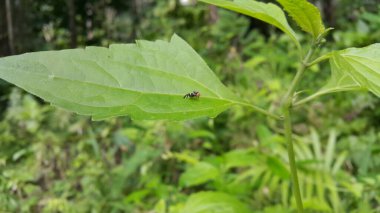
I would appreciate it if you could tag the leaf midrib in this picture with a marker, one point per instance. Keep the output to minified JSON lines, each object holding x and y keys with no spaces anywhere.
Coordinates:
{"x":124,"y":89}
{"x":368,"y":81}
{"x":151,"y":112}
{"x":366,"y":66}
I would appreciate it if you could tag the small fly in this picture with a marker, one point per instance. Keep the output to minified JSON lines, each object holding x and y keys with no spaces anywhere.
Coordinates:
{"x":194,"y":94}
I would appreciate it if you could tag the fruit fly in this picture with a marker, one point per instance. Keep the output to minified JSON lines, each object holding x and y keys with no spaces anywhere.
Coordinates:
{"x":194,"y":94}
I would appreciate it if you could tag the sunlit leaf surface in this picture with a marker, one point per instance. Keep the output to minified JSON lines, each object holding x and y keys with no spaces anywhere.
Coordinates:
{"x":305,"y":14}
{"x":362,"y":65}
{"x":146,"y":80}
{"x":353,"y":69}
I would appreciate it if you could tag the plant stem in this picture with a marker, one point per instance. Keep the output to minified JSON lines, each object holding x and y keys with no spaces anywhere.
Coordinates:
{"x":261,"y":110}
{"x":292,"y":160}
{"x":287,"y":106}
{"x":321,"y":93}
{"x":8,"y":11}
{"x":320,"y":59}
{"x":304,"y":64}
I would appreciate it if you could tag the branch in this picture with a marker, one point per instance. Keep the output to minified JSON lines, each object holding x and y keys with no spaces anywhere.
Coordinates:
{"x":8,"y":11}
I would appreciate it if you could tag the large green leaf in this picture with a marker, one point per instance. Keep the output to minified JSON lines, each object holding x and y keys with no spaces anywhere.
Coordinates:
{"x":213,"y":202}
{"x":353,"y":69}
{"x":362,"y":65}
{"x":305,"y":14}
{"x":267,"y":12}
{"x":146,"y":80}
{"x":340,"y":81}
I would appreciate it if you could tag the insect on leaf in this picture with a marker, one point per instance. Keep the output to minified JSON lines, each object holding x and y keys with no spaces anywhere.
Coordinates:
{"x":146,"y":80}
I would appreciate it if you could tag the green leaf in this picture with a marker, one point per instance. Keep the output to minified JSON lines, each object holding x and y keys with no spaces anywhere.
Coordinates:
{"x":278,"y":168}
{"x":160,"y":206}
{"x":315,"y":204}
{"x":330,"y":150}
{"x":362,"y":65}
{"x":306,"y":15}
{"x":267,"y":12}
{"x":340,"y":81}
{"x":146,"y":80}
{"x":213,"y":202}
{"x":240,"y":158}
{"x":198,"y":174}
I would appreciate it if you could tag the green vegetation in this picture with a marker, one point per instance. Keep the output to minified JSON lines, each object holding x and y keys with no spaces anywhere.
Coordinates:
{"x":244,"y":160}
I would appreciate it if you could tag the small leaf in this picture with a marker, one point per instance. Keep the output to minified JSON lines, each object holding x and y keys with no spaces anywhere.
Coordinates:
{"x":316,"y":205}
{"x":278,"y":168}
{"x":330,"y":150}
{"x":146,"y":80}
{"x":306,"y":15}
{"x":209,"y":202}
{"x":267,"y":12}
{"x":240,"y":158}
{"x":198,"y":174}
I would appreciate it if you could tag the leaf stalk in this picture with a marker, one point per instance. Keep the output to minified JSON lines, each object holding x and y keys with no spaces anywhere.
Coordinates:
{"x":320,"y":59}
{"x":261,"y":110}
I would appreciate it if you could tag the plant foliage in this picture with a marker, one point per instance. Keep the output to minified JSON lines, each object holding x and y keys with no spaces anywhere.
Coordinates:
{"x":306,"y":15}
{"x":146,"y":81}
{"x":205,"y":202}
{"x":267,"y":12}
{"x":362,"y":65}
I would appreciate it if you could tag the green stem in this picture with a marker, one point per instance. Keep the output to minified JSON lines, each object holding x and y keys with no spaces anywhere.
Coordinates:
{"x":261,"y":110}
{"x":307,"y":99}
{"x":320,"y":59}
{"x":325,"y":92}
{"x":292,"y":160}
{"x":287,"y":106}
{"x":293,"y":86}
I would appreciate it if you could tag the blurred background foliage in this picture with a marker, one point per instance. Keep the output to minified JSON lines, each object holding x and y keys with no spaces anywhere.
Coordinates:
{"x":55,"y":161}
